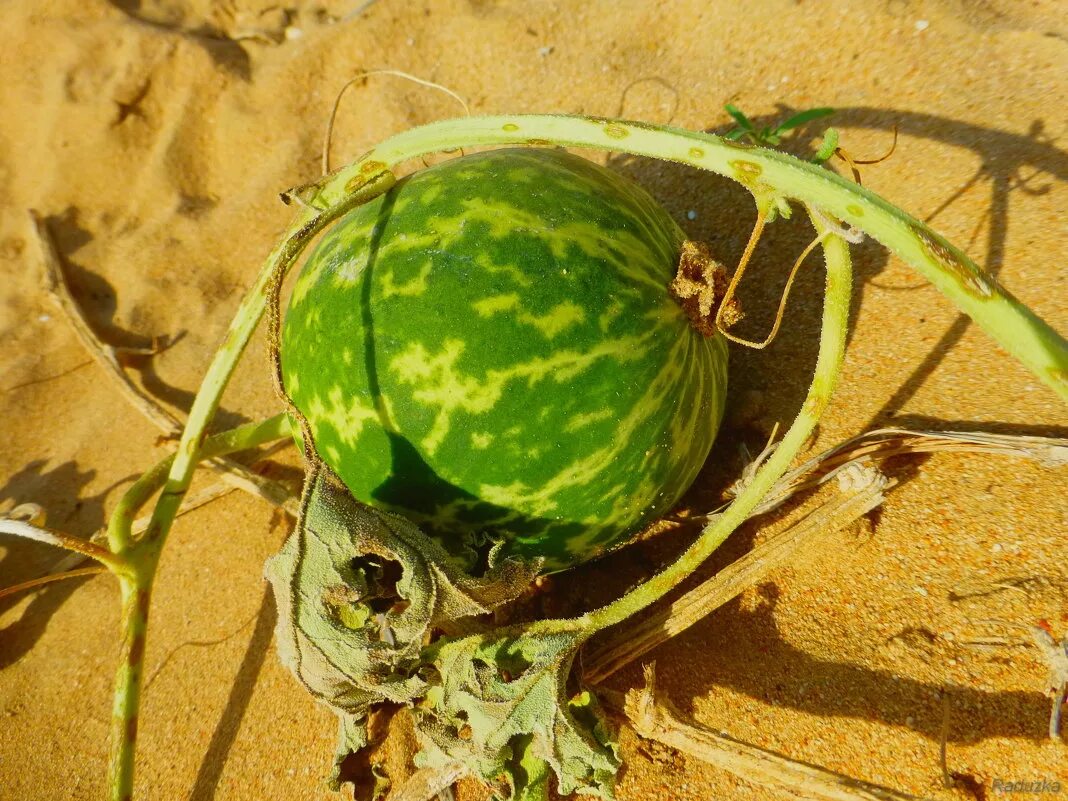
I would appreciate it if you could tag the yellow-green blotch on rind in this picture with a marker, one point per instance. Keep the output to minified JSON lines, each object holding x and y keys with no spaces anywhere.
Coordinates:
{"x":492,"y":347}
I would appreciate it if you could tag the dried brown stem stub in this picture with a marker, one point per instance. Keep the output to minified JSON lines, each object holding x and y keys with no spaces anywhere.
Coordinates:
{"x":700,"y":285}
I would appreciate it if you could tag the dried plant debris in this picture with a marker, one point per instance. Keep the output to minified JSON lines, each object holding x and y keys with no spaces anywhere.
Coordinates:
{"x":655,"y":718}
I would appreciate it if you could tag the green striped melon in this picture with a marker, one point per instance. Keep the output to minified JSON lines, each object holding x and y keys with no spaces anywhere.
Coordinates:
{"x":492,"y":350}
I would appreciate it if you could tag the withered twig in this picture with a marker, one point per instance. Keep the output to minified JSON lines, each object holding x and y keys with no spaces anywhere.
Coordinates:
{"x":1054,"y":654}
{"x":55,"y":283}
{"x":624,"y":647}
{"x":655,"y":718}
{"x":106,"y":356}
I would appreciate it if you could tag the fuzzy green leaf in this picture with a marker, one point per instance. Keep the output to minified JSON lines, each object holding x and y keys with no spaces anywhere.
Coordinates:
{"x":501,"y":705}
{"x":358,"y":592}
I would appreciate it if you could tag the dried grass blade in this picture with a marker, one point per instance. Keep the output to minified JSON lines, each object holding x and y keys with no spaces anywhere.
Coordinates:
{"x":37,"y":582}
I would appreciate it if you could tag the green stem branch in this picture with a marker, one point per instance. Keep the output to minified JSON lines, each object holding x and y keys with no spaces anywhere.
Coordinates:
{"x":140,"y":558}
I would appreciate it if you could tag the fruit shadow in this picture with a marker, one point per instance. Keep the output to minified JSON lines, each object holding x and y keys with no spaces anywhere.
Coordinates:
{"x":762,"y":663}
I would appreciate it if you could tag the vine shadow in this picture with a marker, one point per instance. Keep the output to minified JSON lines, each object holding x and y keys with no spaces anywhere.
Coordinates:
{"x":1004,"y":157}
{"x":241,"y":691}
{"x":765,"y":666}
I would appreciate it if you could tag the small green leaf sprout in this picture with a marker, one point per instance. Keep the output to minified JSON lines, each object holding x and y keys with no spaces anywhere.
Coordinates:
{"x":770,"y":136}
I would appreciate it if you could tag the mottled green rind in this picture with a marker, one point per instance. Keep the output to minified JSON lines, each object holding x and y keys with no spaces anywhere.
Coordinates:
{"x":491,"y":347}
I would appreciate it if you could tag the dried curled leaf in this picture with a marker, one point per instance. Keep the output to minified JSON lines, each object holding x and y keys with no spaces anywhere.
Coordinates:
{"x":499,"y":703}
{"x":359,"y":592}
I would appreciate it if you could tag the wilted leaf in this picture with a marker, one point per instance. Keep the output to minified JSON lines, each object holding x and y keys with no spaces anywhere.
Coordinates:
{"x":499,"y":702}
{"x":358,"y":592}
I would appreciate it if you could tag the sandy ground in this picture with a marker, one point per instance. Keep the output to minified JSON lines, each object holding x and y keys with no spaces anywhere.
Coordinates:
{"x":156,"y":135}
